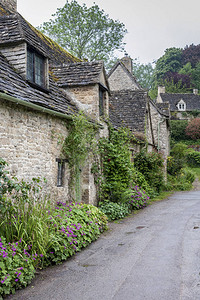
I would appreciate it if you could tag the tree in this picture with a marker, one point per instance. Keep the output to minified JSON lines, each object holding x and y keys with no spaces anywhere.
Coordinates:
{"x":87,"y":33}
{"x":191,"y":54}
{"x":169,"y":62}
{"x":143,"y":73}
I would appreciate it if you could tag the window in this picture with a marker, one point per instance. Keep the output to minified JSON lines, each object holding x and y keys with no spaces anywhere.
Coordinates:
{"x":35,"y":68}
{"x":60,"y":174}
{"x":181,"y":106}
{"x":102,"y":93}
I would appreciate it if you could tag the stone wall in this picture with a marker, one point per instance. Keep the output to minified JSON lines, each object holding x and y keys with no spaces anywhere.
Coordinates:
{"x":30,"y":142}
{"x":157,"y":125}
{"x":87,"y":99}
{"x":16,"y":55}
{"x":120,"y":80}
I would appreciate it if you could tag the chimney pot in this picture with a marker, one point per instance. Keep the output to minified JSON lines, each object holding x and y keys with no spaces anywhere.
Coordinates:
{"x":195,"y":91}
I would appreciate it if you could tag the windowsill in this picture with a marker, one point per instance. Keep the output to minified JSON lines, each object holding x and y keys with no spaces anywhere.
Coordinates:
{"x":38,"y":87}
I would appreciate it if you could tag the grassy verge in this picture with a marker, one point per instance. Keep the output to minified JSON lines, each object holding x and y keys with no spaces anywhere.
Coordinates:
{"x":163,"y":195}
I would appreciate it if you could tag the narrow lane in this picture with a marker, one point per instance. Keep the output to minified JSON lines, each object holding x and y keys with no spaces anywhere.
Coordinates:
{"x":153,"y":255}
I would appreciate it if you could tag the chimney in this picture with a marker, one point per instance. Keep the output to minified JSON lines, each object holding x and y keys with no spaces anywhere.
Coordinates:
{"x":10,"y":5}
{"x":195,"y":91}
{"x":161,"y":90}
{"x":127,"y":61}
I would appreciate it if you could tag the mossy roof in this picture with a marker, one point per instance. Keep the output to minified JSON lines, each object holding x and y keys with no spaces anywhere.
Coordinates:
{"x":15,"y":29}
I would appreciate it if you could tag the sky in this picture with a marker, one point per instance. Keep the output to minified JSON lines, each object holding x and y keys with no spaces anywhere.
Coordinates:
{"x":153,"y":25}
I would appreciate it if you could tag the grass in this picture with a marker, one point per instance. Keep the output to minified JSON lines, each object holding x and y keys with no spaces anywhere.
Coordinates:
{"x":196,"y":171}
{"x":163,"y":195}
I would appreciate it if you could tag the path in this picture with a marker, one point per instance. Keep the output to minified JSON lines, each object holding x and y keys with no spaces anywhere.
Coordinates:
{"x":153,"y":255}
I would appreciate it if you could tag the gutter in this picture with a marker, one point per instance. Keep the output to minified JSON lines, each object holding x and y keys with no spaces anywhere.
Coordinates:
{"x":40,"y":108}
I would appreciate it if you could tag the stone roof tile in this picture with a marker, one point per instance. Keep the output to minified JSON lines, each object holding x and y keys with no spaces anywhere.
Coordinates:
{"x":81,"y":73}
{"x":14,"y":85}
{"x":192,"y":101}
{"x":129,"y":109}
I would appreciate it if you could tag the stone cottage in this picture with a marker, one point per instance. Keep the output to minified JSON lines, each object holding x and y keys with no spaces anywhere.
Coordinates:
{"x":182,"y":106}
{"x":41,"y":87}
{"x":130,"y":106}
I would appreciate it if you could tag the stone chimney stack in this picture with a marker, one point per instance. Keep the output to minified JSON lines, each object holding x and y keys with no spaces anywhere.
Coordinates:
{"x":195,"y":91}
{"x":10,"y":5}
{"x":161,"y":90}
{"x":127,"y":61}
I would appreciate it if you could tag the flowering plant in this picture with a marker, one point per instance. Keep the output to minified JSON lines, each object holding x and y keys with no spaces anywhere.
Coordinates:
{"x":135,"y":197}
{"x":16,"y":266}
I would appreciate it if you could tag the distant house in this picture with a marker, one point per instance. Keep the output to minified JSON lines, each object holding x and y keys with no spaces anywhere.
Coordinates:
{"x":130,"y":106}
{"x":41,"y":87}
{"x":182,"y":106}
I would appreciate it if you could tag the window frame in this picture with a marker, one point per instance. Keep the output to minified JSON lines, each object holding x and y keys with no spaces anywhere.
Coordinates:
{"x":102,"y":98}
{"x":31,"y":67}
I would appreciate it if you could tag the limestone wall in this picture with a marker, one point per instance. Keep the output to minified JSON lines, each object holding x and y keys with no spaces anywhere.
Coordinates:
{"x":120,"y":80}
{"x":158,"y":125}
{"x":30,"y":142}
{"x":87,"y":99}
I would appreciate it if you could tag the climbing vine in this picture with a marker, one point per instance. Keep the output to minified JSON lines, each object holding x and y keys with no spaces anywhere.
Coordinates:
{"x":78,"y":145}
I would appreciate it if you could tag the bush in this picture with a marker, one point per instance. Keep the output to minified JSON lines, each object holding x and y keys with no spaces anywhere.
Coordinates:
{"x":114,"y":211}
{"x":16,"y":266}
{"x":177,"y":159}
{"x":117,"y":169}
{"x":74,"y":226}
{"x":151,"y":166}
{"x":178,"y":130}
{"x":193,"y":129}
{"x":181,"y":182}
{"x":135,"y":197}
{"x":193,"y":158}
{"x":139,"y":180}
{"x":36,"y":233}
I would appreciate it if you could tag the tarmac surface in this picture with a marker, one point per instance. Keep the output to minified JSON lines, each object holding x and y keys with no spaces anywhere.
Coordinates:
{"x":152,"y":255}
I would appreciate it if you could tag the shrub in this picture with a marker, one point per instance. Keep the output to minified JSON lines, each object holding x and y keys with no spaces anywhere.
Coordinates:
{"x":135,"y":197}
{"x":74,"y":226}
{"x":114,"y":211}
{"x":117,"y":169}
{"x":178,"y":130}
{"x":181,"y":182}
{"x":36,"y":233}
{"x":16,"y":266}
{"x":193,"y":129}
{"x":138,"y":179}
{"x":193,"y":158}
{"x":151,"y":166}
{"x":177,"y":159}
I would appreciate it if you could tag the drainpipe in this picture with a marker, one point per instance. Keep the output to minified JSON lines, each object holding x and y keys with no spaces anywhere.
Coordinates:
{"x":159,"y":123}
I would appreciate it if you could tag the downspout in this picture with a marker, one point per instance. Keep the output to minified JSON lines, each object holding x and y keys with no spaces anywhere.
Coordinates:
{"x":159,"y":123}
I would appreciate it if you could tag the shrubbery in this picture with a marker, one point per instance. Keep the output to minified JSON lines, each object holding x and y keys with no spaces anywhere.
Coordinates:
{"x":114,"y":211}
{"x":36,"y":232}
{"x":151,"y":166}
{"x":193,"y":129}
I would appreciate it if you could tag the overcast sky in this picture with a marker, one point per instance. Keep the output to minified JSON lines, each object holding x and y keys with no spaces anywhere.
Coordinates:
{"x":153,"y":25}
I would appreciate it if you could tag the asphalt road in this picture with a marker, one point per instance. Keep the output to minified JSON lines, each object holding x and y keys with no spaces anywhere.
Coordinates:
{"x":153,"y":255}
